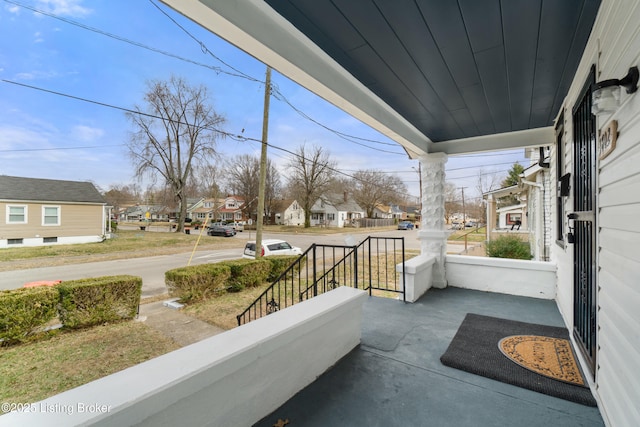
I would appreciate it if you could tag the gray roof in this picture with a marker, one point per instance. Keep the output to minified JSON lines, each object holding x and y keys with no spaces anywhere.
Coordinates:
{"x":48,"y":190}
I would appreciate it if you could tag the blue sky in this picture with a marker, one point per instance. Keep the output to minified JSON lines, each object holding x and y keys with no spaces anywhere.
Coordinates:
{"x":44,"y":135}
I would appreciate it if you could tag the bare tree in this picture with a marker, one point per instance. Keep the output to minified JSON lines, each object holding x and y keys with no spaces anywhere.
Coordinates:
{"x":374,"y":187}
{"x":243,"y":174}
{"x":120,"y":196}
{"x":452,"y":202}
{"x":487,"y":181}
{"x":176,"y":131}
{"x":273,"y":190}
{"x":310,"y":177}
{"x":206,"y":180}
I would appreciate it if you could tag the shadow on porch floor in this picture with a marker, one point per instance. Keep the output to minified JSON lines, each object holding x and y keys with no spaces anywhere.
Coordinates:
{"x":395,"y":378}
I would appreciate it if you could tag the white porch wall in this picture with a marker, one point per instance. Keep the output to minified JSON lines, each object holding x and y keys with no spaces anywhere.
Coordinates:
{"x":231,"y":379}
{"x":506,"y":276}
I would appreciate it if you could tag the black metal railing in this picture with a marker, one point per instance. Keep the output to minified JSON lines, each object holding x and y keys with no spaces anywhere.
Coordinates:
{"x":370,"y":265}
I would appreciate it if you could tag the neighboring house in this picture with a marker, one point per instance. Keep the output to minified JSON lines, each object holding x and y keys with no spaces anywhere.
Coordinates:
{"x":512,"y":218}
{"x":397,"y":212}
{"x":536,"y":182}
{"x":202,"y":210}
{"x":230,"y":209}
{"x":336,"y":211}
{"x":383,"y":212}
{"x":145,"y":213}
{"x":411,"y":213}
{"x":288,"y":212}
{"x":37,"y":212}
{"x":531,"y":218}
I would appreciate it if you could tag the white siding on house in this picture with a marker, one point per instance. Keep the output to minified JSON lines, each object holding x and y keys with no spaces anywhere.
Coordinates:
{"x":617,"y":388}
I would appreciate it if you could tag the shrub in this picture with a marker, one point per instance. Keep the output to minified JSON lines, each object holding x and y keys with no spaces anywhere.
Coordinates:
{"x":279,"y":264}
{"x":197,"y":282}
{"x":23,"y":311}
{"x":508,"y":246}
{"x":88,"y":302}
{"x":247,"y":273}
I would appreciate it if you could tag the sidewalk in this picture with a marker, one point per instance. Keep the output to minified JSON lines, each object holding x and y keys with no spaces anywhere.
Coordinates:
{"x":173,"y":323}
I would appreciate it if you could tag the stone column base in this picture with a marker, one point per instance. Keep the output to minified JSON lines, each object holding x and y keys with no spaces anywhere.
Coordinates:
{"x":434,"y":243}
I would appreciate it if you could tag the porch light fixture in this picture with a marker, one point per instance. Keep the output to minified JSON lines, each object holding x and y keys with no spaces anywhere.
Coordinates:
{"x":605,"y":95}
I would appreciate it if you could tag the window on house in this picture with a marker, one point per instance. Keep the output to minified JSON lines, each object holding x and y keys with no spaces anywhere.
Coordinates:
{"x":51,"y":215}
{"x":331,"y":217}
{"x":50,"y":240}
{"x":513,"y":218}
{"x":14,"y":241}
{"x":16,"y":214}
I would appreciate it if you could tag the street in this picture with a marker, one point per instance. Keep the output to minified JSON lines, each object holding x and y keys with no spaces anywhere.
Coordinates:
{"x":152,"y":269}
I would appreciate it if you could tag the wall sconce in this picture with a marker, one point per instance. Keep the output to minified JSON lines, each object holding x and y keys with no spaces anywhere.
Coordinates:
{"x":605,"y":95}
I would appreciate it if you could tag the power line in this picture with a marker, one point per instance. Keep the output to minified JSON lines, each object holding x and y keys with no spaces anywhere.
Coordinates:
{"x":237,"y":73}
{"x":59,"y":148}
{"x":217,"y":70}
{"x":203,"y":47}
{"x":277,"y":94}
{"x":128,"y":110}
{"x":225,"y":133}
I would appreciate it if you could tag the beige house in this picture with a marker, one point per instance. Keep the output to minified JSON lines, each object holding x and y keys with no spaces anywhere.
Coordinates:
{"x":37,"y":212}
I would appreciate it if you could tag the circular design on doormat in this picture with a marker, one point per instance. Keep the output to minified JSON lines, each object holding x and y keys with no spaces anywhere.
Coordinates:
{"x":551,"y":357}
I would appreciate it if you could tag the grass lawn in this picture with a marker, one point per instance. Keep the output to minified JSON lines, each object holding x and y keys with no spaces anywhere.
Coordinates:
{"x":126,"y":244}
{"x":472,"y":234}
{"x":222,"y":309}
{"x":34,"y":371}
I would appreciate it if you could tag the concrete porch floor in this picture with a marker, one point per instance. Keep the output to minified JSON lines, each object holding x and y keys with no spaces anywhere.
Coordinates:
{"x":395,"y":378}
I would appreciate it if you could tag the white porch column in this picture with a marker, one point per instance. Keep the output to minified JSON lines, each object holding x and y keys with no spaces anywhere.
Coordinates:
{"x":433,"y":235}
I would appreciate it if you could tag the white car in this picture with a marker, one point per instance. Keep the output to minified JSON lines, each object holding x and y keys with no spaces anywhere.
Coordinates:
{"x":270,"y":247}
{"x":237,"y":226}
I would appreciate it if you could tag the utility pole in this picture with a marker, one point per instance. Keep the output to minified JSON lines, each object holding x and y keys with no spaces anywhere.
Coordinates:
{"x":263,"y":164}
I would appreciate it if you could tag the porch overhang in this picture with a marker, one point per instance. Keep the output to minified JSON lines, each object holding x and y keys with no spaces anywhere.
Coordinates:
{"x":448,"y":77}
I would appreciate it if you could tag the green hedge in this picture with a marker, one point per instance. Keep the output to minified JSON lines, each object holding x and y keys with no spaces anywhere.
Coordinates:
{"x":246,"y":273}
{"x":507,"y":246}
{"x":23,"y":311}
{"x":197,"y":282}
{"x":88,"y":302}
{"x":279,"y":264}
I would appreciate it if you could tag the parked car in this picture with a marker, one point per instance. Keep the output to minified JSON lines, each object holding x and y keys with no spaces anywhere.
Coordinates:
{"x":220,"y":230}
{"x":405,"y":225}
{"x":238,"y":226}
{"x":270,"y":247}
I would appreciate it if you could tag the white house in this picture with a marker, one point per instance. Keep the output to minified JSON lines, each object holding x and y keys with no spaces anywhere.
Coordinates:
{"x":289,"y":212}
{"x":336,"y":210}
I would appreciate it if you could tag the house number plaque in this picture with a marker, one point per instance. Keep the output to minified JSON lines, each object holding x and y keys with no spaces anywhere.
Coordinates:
{"x":607,"y":139}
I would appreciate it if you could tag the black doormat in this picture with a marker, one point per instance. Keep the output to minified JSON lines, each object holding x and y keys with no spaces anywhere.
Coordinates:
{"x":475,"y":349}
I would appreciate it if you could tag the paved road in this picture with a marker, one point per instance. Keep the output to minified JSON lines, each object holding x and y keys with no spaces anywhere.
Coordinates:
{"x":152,"y":269}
